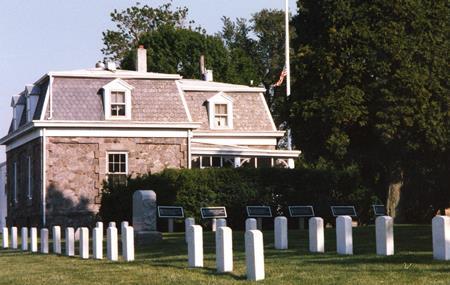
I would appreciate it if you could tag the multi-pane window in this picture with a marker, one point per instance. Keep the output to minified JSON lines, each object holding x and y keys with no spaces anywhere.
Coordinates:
{"x":117,"y":167}
{"x":117,"y":163}
{"x":221,"y":115}
{"x":118,"y":104}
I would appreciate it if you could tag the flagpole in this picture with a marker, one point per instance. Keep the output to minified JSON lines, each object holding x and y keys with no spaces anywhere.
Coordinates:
{"x":288,"y":67}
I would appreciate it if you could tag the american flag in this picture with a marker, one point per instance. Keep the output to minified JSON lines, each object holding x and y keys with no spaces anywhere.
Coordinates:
{"x":282,"y":76}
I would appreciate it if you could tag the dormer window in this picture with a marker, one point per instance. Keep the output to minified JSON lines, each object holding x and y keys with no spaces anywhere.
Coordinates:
{"x":117,"y":99}
{"x":220,"y":109}
{"x":220,"y":116}
{"x":118,"y":104}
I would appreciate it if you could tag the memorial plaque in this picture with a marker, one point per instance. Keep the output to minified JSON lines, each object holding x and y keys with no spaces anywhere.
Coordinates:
{"x":213,"y":212}
{"x":301,"y":211}
{"x":343,"y":211}
{"x":379,"y":210}
{"x":170,"y":212}
{"x":259,"y":211}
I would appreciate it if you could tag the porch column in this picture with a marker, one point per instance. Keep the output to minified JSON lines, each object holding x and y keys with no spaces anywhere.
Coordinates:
{"x":291,"y":163}
{"x":237,"y":162}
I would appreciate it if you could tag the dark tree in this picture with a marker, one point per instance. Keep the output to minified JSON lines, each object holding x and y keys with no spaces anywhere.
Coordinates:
{"x":372,"y":92}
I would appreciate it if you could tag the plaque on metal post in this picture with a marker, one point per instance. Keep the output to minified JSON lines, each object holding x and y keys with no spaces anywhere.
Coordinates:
{"x":343,"y":211}
{"x":259,"y":211}
{"x":301,"y":211}
{"x":379,"y":210}
{"x":170,"y":212}
{"x":213,"y":212}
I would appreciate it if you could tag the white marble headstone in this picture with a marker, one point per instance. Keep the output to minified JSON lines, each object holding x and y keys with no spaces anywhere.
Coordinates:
{"x":384,"y":233}
{"x":33,"y":240}
{"x":224,"y":249}
{"x":70,"y":241}
{"x":14,"y":237}
{"x":316,"y":235}
{"x":84,"y":243}
{"x":254,"y":255}
{"x":128,"y":244}
{"x":188,"y":222}
{"x":97,"y":243}
{"x":441,"y":237}
{"x":56,"y":235}
{"x":250,"y":224}
{"x":112,"y":251}
{"x":281,"y":232}
{"x":24,"y":238}
{"x":44,"y":240}
{"x":344,"y":238}
{"x":5,"y":240}
{"x":195,"y":246}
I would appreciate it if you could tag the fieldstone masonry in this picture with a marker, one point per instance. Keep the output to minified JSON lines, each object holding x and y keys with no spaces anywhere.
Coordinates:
{"x":76,"y":168}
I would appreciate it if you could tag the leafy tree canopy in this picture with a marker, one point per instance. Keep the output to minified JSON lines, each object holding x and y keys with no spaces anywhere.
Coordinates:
{"x":372,"y":88}
{"x":134,"y":22}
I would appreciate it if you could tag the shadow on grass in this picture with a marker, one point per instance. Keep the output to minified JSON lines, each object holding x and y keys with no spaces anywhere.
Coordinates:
{"x":412,"y":245}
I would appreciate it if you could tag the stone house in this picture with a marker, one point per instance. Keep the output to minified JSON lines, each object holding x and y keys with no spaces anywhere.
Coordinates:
{"x":71,"y":130}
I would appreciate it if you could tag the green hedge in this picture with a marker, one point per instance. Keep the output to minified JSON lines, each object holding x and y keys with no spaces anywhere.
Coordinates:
{"x":237,"y":188}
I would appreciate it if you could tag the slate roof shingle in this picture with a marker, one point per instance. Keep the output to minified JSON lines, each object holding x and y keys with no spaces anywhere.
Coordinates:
{"x":82,"y":99}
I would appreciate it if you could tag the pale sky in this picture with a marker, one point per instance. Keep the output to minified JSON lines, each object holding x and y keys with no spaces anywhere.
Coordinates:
{"x":41,"y":36}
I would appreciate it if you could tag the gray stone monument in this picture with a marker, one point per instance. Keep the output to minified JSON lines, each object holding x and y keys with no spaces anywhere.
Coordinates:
{"x":144,"y":217}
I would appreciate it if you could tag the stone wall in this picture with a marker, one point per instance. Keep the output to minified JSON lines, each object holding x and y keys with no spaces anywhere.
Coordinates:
{"x":77,"y":167}
{"x":25,"y":211}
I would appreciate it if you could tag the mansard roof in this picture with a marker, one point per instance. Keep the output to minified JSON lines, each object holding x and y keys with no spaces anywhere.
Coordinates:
{"x":77,"y":95}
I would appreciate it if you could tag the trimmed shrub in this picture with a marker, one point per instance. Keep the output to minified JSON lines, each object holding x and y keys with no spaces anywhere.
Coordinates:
{"x":237,"y":188}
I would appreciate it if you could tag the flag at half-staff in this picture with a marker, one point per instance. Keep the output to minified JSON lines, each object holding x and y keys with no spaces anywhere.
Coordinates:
{"x":283,"y":74}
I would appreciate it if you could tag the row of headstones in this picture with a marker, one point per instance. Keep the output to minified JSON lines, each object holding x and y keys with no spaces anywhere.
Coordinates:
{"x":254,"y":247}
{"x":127,"y":235}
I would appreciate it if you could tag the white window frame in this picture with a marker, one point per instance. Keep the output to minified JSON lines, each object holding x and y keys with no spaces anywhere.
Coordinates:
{"x":107,"y":163}
{"x":30,"y":180}
{"x":117,"y":85}
{"x":220,"y":99}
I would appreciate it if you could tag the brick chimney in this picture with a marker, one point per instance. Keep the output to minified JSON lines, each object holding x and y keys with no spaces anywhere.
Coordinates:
{"x":141,"y":59}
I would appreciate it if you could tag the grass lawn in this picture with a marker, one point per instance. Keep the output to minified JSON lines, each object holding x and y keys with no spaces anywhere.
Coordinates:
{"x":166,"y":263}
